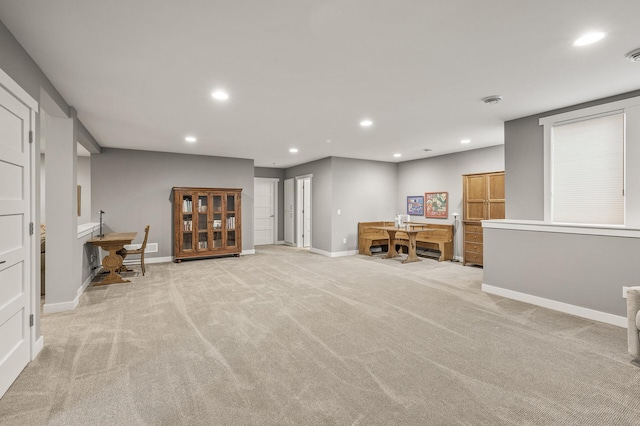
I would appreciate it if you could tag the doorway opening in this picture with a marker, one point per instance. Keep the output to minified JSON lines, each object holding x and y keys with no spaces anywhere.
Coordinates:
{"x":303,"y":209}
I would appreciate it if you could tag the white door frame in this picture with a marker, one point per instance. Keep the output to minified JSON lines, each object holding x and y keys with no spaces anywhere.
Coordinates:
{"x":300,"y":208}
{"x":274,"y":182}
{"x":289,"y":209}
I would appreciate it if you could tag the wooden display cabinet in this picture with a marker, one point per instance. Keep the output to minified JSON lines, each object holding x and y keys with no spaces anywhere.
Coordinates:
{"x":483,"y":198}
{"x":207,"y":222}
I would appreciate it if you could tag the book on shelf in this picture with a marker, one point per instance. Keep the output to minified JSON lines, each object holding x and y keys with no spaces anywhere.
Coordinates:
{"x":231,"y":222}
{"x":186,"y":205}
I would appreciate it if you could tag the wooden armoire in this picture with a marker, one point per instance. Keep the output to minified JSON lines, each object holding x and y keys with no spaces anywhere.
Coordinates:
{"x":483,"y":198}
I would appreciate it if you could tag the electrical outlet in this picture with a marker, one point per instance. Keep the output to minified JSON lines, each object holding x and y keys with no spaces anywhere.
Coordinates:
{"x":344,"y":241}
{"x":624,"y":292}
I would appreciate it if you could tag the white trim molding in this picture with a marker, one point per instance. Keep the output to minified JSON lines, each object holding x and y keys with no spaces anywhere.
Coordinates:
{"x":540,"y":226}
{"x":19,"y":92}
{"x":88,"y":229}
{"x":165,"y":259}
{"x":557,"y":306}
{"x":37,"y":347}
{"x":334,"y":253}
{"x":631,"y":108}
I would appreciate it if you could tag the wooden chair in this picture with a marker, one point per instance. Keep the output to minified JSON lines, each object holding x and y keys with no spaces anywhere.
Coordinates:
{"x":140,"y":251}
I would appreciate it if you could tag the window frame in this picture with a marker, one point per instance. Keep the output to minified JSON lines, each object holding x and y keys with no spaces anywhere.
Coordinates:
{"x":584,"y":114}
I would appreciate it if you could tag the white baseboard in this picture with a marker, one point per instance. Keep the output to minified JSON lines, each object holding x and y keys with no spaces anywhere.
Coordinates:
{"x":578,"y":311}
{"x":149,"y":260}
{"x":37,"y":347}
{"x":253,"y":251}
{"x":318,"y":251}
{"x":52,"y":308}
{"x":333,"y":253}
{"x":280,"y":242}
{"x":86,"y":284}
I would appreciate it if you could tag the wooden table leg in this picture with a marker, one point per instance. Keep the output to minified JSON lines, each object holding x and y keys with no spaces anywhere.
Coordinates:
{"x":412,"y":257}
{"x":392,"y":247}
{"x":112,"y":262}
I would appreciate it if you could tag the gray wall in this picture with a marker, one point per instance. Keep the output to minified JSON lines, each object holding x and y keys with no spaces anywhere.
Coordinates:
{"x":267,"y":172}
{"x":16,"y":62}
{"x":62,"y":283}
{"x":524,"y":161}
{"x":134,"y":189}
{"x":321,"y":192}
{"x":363,"y":191}
{"x":581,"y":270}
{"x":444,"y":173}
{"x":371,"y":190}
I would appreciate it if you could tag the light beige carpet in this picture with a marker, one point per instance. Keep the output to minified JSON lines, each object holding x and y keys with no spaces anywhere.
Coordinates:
{"x":287,"y":337}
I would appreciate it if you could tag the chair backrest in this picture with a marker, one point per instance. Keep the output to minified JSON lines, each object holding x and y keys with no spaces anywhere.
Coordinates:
{"x":146,"y":235}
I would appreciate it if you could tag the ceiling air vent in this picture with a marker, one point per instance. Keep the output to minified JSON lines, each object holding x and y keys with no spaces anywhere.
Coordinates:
{"x":492,"y":100}
{"x":633,"y":56}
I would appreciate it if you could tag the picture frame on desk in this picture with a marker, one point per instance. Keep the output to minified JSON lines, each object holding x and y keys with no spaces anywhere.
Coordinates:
{"x":436,"y":205}
{"x":415,"y":205}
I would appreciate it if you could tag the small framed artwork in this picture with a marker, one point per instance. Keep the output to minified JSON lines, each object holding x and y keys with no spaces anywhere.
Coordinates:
{"x":436,"y":205}
{"x":415,"y":205}
{"x":79,"y":192}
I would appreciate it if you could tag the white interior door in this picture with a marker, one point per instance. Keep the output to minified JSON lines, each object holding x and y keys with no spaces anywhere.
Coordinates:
{"x":264,"y":211}
{"x":15,"y":245}
{"x":289,"y":223}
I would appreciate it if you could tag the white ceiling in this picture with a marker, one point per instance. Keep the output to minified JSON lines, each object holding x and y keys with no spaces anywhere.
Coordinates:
{"x":301,"y":72}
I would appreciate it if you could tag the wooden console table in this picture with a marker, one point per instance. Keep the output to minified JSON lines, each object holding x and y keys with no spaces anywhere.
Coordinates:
{"x":411,"y":232}
{"x":113,"y":261}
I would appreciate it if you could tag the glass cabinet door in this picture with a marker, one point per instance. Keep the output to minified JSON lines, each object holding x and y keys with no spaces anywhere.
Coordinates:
{"x":231,"y":220}
{"x":187,"y":222}
{"x":203,"y":223}
{"x":216,"y":201}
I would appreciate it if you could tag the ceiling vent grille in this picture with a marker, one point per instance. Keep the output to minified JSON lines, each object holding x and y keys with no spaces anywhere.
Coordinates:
{"x":633,"y":56}
{"x":492,"y":100}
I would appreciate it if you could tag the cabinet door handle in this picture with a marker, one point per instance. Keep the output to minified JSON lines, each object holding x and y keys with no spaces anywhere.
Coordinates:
{"x":4,"y":261}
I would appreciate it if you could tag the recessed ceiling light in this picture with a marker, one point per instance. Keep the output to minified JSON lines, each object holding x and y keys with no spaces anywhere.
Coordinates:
{"x":589,"y":38}
{"x":366,"y":123}
{"x":190,"y":139}
{"x":465,"y":141}
{"x":220,"y":95}
{"x":293,"y":150}
{"x":397,"y":155}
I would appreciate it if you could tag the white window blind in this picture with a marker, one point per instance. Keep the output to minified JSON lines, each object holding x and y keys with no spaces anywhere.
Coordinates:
{"x":587,"y":171}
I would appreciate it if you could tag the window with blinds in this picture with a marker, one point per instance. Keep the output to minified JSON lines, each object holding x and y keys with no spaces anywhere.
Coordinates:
{"x":587,"y":171}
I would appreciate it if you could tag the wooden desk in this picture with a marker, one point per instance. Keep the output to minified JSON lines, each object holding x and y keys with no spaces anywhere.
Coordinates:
{"x":411,"y":232}
{"x":113,"y":261}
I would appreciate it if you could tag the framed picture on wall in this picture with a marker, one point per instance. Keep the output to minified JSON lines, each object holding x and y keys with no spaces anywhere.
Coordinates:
{"x":415,"y":205}
{"x":436,"y":205}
